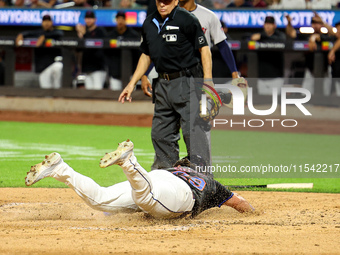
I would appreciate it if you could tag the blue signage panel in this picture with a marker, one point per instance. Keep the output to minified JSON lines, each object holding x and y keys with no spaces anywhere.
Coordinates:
{"x":255,"y":18}
{"x":250,"y":18}
{"x":70,"y":17}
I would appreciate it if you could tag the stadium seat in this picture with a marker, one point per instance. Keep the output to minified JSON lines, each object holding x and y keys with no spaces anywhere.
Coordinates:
{"x":321,"y":4}
{"x":293,"y":4}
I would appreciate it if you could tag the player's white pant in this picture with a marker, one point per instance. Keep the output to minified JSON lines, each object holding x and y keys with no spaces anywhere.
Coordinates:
{"x":159,"y":193}
{"x":265,"y":86}
{"x":337,"y":88}
{"x":108,"y":199}
{"x":309,"y":82}
{"x":95,"y":80}
{"x":51,"y":77}
{"x":115,"y":84}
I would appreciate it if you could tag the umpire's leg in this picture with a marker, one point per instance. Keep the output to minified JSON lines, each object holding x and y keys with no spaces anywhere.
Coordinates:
{"x":165,"y":127}
{"x":196,"y":138}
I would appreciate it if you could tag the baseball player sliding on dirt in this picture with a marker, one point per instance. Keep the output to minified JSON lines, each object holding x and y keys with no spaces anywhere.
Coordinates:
{"x":170,"y":193}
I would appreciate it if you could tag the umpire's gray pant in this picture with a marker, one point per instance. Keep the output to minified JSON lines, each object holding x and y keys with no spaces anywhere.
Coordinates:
{"x":177,"y":106}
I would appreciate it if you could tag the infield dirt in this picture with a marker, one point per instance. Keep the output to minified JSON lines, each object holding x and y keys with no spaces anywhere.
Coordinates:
{"x":57,"y":221}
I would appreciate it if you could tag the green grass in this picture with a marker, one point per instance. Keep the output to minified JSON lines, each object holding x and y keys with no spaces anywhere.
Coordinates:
{"x":82,"y":146}
{"x":239,"y":148}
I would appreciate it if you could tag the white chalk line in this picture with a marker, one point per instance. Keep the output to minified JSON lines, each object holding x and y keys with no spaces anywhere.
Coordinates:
{"x":11,"y":150}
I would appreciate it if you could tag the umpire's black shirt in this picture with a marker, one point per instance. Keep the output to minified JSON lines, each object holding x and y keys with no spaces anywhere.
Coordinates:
{"x":172,"y":43}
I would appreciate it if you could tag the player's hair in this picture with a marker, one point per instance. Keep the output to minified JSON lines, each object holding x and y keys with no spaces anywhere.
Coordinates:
{"x":185,"y":162}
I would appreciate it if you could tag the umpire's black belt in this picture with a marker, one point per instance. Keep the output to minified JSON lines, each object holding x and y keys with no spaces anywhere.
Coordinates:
{"x":172,"y":76}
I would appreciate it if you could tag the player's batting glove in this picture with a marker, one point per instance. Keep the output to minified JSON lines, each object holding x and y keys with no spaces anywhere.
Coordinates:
{"x":243,"y":86}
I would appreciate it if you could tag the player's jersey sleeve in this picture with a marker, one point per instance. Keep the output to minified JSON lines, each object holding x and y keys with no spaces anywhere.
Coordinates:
{"x":216,"y":32}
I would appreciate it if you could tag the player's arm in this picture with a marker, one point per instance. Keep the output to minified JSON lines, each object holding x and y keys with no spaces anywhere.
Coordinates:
{"x":219,"y":38}
{"x":81,"y":30}
{"x":290,"y":30}
{"x":142,"y":66}
{"x":228,"y":58}
{"x":325,"y":24}
{"x":19,"y":40}
{"x":331,"y":54}
{"x":40,"y":41}
{"x":255,"y":37}
{"x":312,"y":42}
{"x":26,"y":34}
{"x":239,"y":203}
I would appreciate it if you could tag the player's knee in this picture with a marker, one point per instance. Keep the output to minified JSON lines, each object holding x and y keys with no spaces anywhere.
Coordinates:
{"x":144,"y":201}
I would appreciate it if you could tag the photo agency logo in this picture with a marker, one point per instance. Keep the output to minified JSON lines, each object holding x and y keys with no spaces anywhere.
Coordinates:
{"x":239,"y":99}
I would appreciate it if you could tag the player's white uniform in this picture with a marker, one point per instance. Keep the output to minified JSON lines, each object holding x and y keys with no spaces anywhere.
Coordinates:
{"x":160,"y":193}
{"x":210,"y":24}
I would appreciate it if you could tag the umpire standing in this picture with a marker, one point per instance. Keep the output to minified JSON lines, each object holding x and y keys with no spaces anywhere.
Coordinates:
{"x":172,"y":39}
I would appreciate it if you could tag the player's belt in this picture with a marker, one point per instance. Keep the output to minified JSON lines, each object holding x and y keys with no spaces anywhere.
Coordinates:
{"x":171,"y":76}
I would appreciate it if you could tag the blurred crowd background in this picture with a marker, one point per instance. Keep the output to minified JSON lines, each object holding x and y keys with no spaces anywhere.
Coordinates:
{"x":98,"y":69}
{"x":216,"y":4}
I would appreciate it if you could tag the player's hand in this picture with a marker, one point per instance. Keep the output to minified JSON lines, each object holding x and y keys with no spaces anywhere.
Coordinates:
{"x":331,"y":57}
{"x":289,"y":19}
{"x":255,"y":37}
{"x":146,"y":86}
{"x":19,"y":40}
{"x":126,"y":93}
{"x":81,"y":30}
{"x":235,"y":75}
{"x":312,"y":46}
{"x":317,"y":18}
{"x":312,"y":42}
